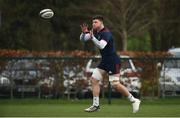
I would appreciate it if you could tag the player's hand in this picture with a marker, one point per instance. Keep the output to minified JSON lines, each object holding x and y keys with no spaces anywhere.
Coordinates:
{"x":84,"y":28}
{"x":91,"y":33}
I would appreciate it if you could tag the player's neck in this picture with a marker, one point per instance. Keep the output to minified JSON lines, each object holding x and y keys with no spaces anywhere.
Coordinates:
{"x":102,"y":26}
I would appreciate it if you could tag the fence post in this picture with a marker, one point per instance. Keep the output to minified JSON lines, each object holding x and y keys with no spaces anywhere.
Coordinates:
{"x":12,"y":96}
{"x":158,"y":76}
{"x":109,"y":93}
{"x":12,"y":85}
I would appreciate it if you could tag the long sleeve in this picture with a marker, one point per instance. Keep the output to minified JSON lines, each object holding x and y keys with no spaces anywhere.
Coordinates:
{"x":100,"y":44}
{"x":85,"y":36}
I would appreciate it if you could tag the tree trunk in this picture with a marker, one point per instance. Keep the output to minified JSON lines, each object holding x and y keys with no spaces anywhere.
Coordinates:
{"x":154,"y":37}
{"x":124,"y":40}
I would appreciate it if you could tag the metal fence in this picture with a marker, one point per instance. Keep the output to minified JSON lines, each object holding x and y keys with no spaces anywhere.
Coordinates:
{"x":69,"y":77}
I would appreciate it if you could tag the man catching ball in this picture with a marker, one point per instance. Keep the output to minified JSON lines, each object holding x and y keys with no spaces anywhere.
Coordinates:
{"x":110,"y":62}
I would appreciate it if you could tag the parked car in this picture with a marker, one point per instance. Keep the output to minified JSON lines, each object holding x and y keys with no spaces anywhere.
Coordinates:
{"x":170,"y":74}
{"x":26,"y":77}
{"x":4,"y":81}
{"x":4,"y":87}
{"x":129,"y":75}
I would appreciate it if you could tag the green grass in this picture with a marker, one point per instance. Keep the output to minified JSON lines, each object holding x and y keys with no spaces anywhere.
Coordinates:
{"x":64,"y":108}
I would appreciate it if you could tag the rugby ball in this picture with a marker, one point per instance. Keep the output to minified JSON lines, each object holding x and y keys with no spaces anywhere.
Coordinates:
{"x":46,"y":13}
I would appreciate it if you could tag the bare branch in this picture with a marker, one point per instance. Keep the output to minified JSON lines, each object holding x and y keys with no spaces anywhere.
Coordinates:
{"x":139,"y":29}
{"x":132,"y":18}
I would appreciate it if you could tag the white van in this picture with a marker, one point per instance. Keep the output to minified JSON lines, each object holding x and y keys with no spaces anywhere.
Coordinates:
{"x":170,"y":74}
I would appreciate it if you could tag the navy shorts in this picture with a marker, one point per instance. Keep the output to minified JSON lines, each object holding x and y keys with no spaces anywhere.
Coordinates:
{"x":110,"y":64}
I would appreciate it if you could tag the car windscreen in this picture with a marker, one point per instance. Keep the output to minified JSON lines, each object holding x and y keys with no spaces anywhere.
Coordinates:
{"x":172,"y":64}
{"x":125,"y":64}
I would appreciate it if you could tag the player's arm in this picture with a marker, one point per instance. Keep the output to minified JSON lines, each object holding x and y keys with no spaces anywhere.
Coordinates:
{"x":85,"y":36}
{"x":100,"y":44}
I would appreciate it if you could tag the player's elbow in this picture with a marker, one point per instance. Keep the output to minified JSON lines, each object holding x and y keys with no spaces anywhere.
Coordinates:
{"x":101,"y":47}
{"x":102,"y":44}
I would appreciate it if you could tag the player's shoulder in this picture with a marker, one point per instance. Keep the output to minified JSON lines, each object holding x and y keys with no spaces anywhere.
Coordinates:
{"x":105,"y":30}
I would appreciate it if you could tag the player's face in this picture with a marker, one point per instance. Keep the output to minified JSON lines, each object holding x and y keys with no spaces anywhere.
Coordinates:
{"x":96,"y":24}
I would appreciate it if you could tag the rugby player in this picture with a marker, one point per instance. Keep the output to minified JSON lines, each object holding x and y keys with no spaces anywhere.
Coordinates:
{"x":110,"y":62}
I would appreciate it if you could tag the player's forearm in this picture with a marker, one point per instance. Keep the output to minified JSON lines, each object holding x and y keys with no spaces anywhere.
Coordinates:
{"x":100,"y":44}
{"x":85,"y":36}
{"x":82,"y":36}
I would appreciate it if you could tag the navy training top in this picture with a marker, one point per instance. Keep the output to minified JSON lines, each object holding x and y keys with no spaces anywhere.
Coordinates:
{"x":108,"y":53}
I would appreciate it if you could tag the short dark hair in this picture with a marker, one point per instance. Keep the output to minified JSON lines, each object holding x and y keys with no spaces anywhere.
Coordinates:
{"x":99,"y":17}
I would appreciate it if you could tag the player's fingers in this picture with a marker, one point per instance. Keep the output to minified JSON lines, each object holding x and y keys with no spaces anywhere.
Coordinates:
{"x":91,"y":34}
{"x":85,"y":25}
{"x":82,"y":26}
{"x":82,"y":29}
{"x":92,"y":31}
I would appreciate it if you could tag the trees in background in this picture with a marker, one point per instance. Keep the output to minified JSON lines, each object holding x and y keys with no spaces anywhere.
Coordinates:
{"x":168,"y":23}
{"x":129,"y":18}
{"x":157,"y":21}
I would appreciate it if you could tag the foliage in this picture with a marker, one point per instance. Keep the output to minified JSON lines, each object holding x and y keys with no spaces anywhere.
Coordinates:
{"x":139,"y":43}
{"x":22,"y":28}
{"x":76,"y":53}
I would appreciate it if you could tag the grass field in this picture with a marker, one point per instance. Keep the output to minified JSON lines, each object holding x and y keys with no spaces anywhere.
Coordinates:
{"x":74,"y":108}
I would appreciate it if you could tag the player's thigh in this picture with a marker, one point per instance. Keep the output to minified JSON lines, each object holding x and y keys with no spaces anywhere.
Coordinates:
{"x":101,"y":71}
{"x":114,"y":76}
{"x":98,"y":74}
